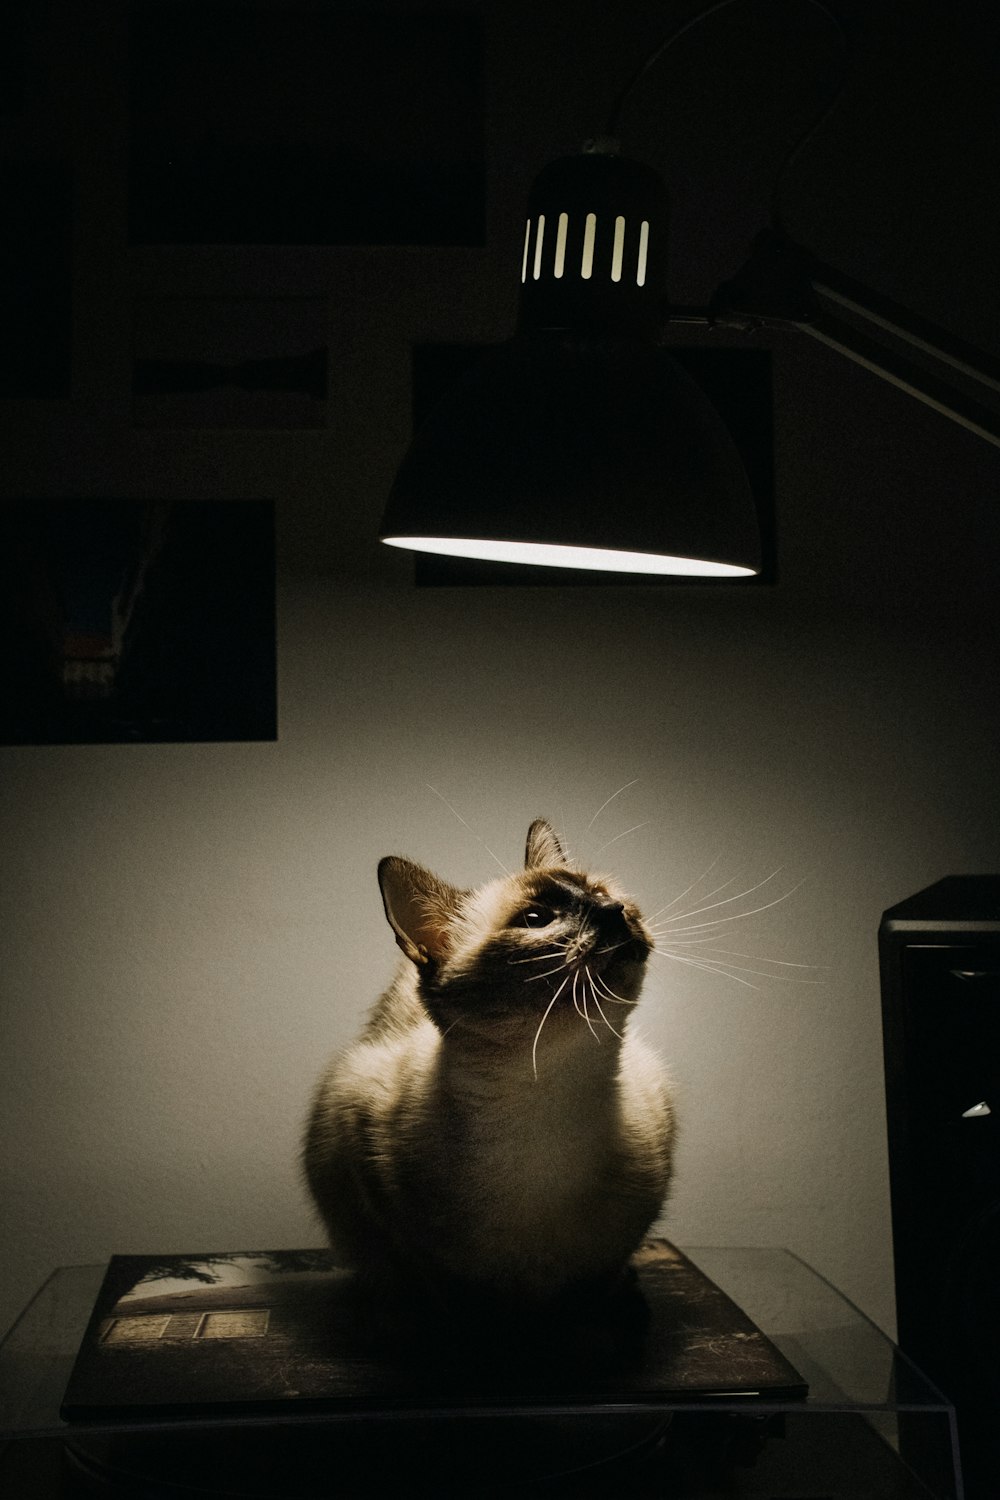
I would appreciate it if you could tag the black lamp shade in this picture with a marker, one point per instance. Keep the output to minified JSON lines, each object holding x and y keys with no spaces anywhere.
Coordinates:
{"x":611,"y":448}
{"x":579,"y":443}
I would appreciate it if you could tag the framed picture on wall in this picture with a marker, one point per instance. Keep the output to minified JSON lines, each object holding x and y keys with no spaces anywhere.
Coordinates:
{"x":288,"y":122}
{"x":35,"y":279}
{"x":230,"y":362}
{"x":130,"y":621}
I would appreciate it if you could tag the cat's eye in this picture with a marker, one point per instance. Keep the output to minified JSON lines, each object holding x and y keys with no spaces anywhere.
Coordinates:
{"x":538,"y":916}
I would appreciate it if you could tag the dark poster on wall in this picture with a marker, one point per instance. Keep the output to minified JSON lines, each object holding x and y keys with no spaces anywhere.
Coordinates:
{"x":127,"y":621}
{"x":266,"y":122}
{"x":14,"y":52}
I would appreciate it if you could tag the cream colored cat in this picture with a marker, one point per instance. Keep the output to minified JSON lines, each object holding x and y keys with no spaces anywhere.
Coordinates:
{"x":497,"y":1128}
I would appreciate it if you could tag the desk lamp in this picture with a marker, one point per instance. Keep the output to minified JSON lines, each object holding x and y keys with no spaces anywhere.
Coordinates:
{"x":580,"y":443}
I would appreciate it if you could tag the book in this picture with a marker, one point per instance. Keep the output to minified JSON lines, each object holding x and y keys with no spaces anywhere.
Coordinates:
{"x":259,"y":1333}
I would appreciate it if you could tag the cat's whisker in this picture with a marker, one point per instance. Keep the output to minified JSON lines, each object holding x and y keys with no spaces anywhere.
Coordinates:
{"x":609,"y":993}
{"x":586,"y":1017}
{"x":464,"y":824}
{"x":722,"y":965}
{"x":537,"y":958}
{"x":607,"y":1023}
{"x":724,"y":954}
{"x":609,"y":802}
{"x":545,"y":1017}
{"x":691,"y":887}
{"x":660,"y":932}
{"x":740,"y":915}
{"x":584,"y":1012}
{"x":613,"y":947}
{"x":714,"y":905}
{"x":600,"y":1008}
{"x":697,"y":963}
{"x":634,"y":829}
{"x":681,"y":916}
{"x":666,"y":932}
{"x":576,"y":1000}
{"x":667,"y":926}
{"x":559,"y":969}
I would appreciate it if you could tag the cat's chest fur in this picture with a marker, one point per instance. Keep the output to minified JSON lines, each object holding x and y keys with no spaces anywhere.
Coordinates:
{"x":538,"y":1142}
{"x":523,"y":1177}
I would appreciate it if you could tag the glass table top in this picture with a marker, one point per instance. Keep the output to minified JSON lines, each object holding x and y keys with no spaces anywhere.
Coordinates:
{"x":849,"y":1364}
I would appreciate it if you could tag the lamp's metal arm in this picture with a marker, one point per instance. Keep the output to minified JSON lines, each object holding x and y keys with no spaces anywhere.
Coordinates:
{"x":909,"y":377}
{"x":783,"y":287}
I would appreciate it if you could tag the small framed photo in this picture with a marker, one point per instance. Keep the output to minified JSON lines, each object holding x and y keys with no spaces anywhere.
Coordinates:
{"x":230,"y":362}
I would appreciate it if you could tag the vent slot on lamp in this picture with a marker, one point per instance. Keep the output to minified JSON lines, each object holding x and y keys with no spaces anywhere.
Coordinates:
{"x":628,"y":250}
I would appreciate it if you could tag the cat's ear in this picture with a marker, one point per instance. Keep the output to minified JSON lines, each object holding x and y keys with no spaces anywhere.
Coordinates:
{"x":543,"y":846}
{"x":419,"y":907}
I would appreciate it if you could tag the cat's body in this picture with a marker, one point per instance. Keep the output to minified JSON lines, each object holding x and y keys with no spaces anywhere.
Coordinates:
{"x":489,"y":1131}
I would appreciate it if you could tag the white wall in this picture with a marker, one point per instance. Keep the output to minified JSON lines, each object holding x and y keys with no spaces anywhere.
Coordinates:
{"x":186,"y":931}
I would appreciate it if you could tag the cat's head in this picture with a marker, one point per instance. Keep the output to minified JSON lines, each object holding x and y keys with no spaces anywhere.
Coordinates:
{"x":548,"y":940}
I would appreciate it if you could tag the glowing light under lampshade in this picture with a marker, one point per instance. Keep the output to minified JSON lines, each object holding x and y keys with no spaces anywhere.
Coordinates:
{"x":550,"y":555}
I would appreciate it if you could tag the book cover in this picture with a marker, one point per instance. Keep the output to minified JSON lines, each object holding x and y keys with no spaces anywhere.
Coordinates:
{"x":260,"y":1332}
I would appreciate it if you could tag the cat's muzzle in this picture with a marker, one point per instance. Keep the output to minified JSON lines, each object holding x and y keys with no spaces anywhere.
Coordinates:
{"x":614,"y":935}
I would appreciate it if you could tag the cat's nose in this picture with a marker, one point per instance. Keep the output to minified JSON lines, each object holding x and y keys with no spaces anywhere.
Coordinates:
{"x":610,"y":915}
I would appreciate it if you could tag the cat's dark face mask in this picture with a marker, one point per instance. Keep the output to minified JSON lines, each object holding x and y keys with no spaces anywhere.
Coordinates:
{"x":547,"y":936}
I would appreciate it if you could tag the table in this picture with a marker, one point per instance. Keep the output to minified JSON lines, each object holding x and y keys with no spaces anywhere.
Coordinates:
{"x":871,"y":1428}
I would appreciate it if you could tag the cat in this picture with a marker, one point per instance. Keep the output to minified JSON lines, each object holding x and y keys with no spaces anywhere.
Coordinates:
{"x":494,"y":1131}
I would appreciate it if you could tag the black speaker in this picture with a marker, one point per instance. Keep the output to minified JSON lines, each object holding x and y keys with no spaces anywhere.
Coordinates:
{"x":939,"y":954}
